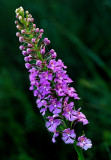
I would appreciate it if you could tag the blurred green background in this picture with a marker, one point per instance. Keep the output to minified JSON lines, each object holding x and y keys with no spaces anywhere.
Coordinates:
{"x":80,"y":32}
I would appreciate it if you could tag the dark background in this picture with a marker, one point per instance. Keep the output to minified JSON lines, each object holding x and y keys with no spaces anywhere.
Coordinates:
{"x":80,"y":32}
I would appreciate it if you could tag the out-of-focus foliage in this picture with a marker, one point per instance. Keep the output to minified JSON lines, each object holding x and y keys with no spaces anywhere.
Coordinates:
{"x":80,"y":32}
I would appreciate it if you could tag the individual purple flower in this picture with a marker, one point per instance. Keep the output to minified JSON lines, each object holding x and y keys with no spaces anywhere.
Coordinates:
{"x":41,"y":103}
{"x":45,"y":76}
{"x":55,"y":106}
{"x":52,"y":123}
{"x":68,"y":136}
{"x":69,"y":113}
{"x":84,"y":143}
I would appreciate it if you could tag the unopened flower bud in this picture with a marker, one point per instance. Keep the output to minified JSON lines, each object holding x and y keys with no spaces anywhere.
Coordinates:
{"x":21,"y":47}
{"x":28,"y":65}
{"x":46,"y":41}
{"x":38,"y":62}
{"x":41,"y":31}
{"x":30,"y":45}
{"x":34,"y":25}
{"x":33,"y":40}
{"x":23,"y":31}
{"x":24,"y":53}
{"x":32,"y":19}
{"x":18,"y":27}
{"x":30,"y":16}
{"x":40,"y":36}
{"x":28,"y":19}
{"x":20,"y":18}
{"x":21,"y":39}
{"x":17,"y":34}
{"x":29,"y":50}
{"x":16,"y":22}
{"x":52,"y":51}
{"x":37,"y":30}
{"x":27,"y":12}
{"x":42,"y":51}
{"x":27,"y":58}
{"x":54,"y":55}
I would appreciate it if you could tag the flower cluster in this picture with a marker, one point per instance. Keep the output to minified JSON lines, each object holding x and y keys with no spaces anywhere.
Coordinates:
{"x":49,"y":82}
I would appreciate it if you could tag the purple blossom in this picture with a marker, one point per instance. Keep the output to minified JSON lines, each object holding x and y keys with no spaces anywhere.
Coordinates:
{"x":50,"y":83}
{"x":68,"y":136}
{"x":55,"y":106}
{"x":52,"y":123}
{"x":84,"y":143}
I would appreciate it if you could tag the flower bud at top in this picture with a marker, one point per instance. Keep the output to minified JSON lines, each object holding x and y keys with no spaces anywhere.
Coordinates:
{"x":38,"y":62}
{"x":33,"y":40}
{"x":24,"y":53}
{"x":46,"y":41}
{"x":32,"y":19}
{"x":40,"y":36}
{"x":54,"y":55}
{"x":28,"y":65}
{"x":30,"y":16}
{"x":17,"y":34}
{"x":23,"y":31}
{"x":27,"y":58}
{"x":17,"y":15}
{"x":18,"y":27}
{"x":28,"y":19}
{"x":34,"y":25}
{"x":21,"y":39}
{"x":41,"y":31}
{"x":29,"y":50}
{"x":30,"y":45}
{"x":52,"y":51}
{"x":27,"y":12}
{"x":20,"y":17}
{"x":21,"y":47}
{"x":37,"y":30}
{"x":42,"y":51}
{"x":16,"y":22}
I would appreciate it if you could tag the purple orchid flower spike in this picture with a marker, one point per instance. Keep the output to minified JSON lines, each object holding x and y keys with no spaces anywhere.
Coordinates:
{"x":50,"y":83}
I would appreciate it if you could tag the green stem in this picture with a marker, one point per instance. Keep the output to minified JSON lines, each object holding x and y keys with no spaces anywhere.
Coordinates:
{"x":79,"y":151}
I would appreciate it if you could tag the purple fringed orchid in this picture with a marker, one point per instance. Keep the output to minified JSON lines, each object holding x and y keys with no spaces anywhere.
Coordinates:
{"x":50,"y":82}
